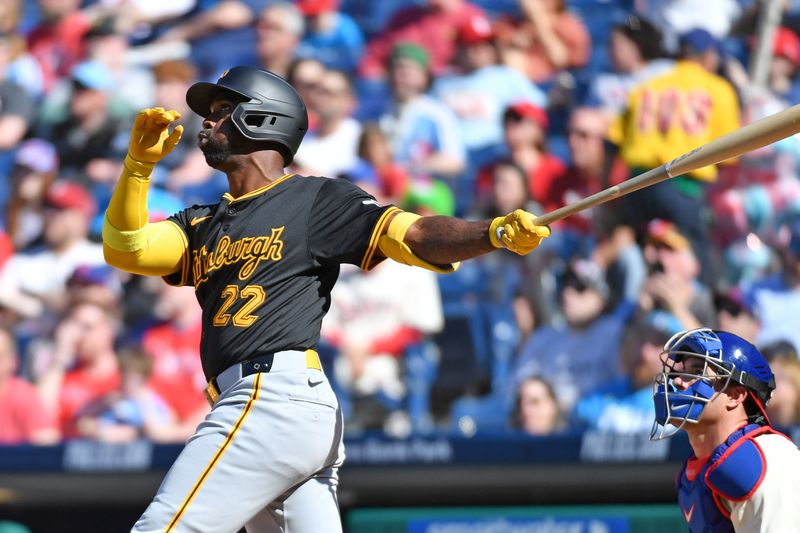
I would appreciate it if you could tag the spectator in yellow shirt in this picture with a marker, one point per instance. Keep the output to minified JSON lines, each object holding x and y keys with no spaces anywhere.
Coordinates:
{"x":668,"y":116}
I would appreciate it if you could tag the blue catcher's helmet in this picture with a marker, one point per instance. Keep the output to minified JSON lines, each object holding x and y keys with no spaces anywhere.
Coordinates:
{"x":721,"y":358}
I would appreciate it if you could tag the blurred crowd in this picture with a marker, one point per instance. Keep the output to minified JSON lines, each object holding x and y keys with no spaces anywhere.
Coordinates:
{"x":442,"y":107}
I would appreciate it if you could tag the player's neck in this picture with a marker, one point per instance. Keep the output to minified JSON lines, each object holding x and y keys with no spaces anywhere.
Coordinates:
{"x":253,"y":171}
{"x":704,"y":440}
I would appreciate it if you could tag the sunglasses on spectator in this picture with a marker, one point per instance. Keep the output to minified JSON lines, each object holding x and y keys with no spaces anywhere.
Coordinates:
{"x":576,"y":285}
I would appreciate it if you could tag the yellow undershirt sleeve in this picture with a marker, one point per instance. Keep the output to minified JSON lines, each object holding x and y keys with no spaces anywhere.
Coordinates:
{"x":393,"y":246}
{"x":130,"y":242}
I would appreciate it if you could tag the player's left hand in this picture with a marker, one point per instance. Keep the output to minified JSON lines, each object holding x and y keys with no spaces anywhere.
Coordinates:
{"x":517,"y":232}
{"x":151,"y":140}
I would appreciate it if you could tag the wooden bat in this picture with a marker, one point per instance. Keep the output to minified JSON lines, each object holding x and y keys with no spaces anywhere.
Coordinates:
{"x":751,"y":137}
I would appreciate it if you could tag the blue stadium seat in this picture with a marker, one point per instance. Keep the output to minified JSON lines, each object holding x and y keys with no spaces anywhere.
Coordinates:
{"x":470,"y":416}
{"x":421,"y":364}
{"x":464,"y":344}
{"x":373,"y":16}
{"x":504,"y":337}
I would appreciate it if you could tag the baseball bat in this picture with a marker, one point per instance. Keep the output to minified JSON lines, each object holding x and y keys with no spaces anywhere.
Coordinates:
{"x":751,"y":137}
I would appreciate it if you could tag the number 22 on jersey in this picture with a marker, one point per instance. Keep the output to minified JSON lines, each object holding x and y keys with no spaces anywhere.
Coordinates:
{"x":253,"y":296}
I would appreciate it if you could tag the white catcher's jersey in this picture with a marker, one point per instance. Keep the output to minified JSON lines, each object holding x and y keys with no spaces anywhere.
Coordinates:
{"x":774,"y":507}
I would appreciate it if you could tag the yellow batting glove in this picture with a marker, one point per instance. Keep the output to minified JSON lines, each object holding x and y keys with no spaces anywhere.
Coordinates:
{"x":151,"y":140}
{"x":517,"y":232}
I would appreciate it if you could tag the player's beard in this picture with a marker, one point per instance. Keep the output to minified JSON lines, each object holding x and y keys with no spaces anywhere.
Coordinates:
{"x":215,"y":151}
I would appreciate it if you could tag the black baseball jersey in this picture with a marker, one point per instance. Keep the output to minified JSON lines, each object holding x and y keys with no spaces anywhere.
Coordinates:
{"x":263,"y":265}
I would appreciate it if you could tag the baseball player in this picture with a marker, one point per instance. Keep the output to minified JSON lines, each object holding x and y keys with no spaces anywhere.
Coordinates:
{"x":262,"y":262}
{"x":743,"y":476}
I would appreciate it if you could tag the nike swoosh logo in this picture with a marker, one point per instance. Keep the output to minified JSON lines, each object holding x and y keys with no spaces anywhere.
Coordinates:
{"x":688,"y":515}
{"x":196,"y":220}
{"x":313,"y":382}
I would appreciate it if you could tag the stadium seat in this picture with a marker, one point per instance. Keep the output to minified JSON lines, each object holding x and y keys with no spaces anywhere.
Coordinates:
{"x":372,"y":16}
{"x":470,"y":416}
{"x":421,"y":365}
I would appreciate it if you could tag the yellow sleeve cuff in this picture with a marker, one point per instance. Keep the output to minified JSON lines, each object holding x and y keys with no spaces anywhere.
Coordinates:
{"x":138,"y":169}
{"x":393,"y":246}
{"x":124,"y":241}
{"x":157,"y":249}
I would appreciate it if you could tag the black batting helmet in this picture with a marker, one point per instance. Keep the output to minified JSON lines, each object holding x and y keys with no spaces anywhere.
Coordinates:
{"x":269,"y":108}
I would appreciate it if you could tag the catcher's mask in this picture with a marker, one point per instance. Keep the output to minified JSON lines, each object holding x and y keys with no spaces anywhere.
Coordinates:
{"x":707,"y":362}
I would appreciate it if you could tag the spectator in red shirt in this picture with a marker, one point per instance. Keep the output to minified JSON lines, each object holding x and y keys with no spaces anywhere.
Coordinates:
{"x":174,"y":346}
{"x":82,"y":366}
{"x":525,"y":129}
{"x":57,"y":43}
{"x":594,"y":166}
{"x":430,"y":25}
{"x":23,"y":417}
{"x":134,"y":411}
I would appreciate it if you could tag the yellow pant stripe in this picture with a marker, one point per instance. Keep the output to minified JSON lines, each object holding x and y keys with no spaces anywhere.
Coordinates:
{"x":217,"y":456}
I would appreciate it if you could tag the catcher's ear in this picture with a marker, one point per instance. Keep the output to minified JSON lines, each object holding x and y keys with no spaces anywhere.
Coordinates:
{"x":737,"y":394}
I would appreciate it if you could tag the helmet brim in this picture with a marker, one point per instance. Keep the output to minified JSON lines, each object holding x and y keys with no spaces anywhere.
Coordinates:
{"x":201,"y":94}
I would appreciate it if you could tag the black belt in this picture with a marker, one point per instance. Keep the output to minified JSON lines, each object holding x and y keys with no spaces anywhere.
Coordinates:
{"x":285,"y":360}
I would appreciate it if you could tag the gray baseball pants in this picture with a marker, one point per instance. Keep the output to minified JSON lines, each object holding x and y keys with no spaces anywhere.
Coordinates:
{"x":266,"y":457}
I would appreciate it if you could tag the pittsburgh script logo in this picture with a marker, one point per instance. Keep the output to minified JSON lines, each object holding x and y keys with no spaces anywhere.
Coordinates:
{"x":250,"y":251}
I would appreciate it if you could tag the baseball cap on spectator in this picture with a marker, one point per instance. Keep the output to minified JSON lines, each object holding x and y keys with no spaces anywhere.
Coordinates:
{"x":92,"y":75}
{"x":97,"y":283}
{"x":70,"y":195}
{"x":92,"y":275}
{"x":38,"y":155}
{"x":584,"y":274}
{"x":787,"y":45}
{"x":476,"y":29}
{"x":529,"y":111}
{"x":665,"y":233}
{"x":733,"y":302}
{"x":312,"y":8}
{"x":413,"y":52}
{"x":699,"y":41}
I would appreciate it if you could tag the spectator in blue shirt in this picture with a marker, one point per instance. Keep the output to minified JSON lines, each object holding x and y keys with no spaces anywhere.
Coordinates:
{"x":331,"y":36}
{"x":484,"y":89}
{"x":627,"y":405}
{"x":582,"y":354}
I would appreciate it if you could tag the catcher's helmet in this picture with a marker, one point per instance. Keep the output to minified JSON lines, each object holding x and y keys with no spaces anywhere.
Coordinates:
{"x":269,"y":109}
{"x":725,"y":358}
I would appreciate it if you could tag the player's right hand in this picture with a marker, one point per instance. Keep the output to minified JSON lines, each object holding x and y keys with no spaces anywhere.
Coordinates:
{"x":517,"y":232}
{"x":151,"y":140}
